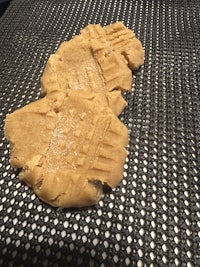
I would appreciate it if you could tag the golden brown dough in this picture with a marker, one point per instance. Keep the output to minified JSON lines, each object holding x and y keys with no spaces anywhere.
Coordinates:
{"x":67,"y":154}
{"x":99,"y":61}
{"x":70,"y":143}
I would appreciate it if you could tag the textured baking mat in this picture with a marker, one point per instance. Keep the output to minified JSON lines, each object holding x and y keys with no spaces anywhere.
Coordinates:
{"x":153,"y":217}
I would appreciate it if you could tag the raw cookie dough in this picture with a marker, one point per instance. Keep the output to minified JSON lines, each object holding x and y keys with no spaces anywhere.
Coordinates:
{"x":70,"y":143}
{"x":68,"y":152}
{"x":99,"y":61}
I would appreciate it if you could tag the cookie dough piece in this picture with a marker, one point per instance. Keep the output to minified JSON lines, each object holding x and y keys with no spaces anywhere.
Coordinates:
{"x":69,"y":143}
{"x":121,"y":40}
{"x":124,"y":42}
{"x":99,"y":61}
{"x":67,"y":152}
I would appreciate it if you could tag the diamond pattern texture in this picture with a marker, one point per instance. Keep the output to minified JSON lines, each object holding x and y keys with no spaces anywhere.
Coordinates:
{"x":153,"y":217}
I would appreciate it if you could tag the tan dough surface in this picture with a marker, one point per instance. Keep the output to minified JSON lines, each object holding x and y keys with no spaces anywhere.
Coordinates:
{"x":70,"y":143}
{"x":70,"y":153}
{"x":99,"y":61}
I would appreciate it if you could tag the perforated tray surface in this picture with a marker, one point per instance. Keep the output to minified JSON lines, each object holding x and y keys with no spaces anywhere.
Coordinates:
{"x":153,"y":217}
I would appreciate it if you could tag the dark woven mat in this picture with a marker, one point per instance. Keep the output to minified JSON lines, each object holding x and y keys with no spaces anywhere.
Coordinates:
{"x":153,"y":217}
